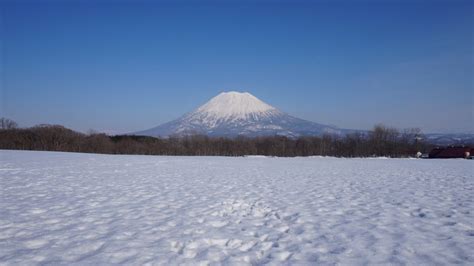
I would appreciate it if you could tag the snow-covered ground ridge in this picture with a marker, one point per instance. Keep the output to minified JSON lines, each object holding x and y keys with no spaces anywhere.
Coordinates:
{"x":89,"y":209}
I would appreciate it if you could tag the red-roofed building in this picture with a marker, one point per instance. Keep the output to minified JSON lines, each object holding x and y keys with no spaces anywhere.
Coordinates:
{"x":451,"y":152}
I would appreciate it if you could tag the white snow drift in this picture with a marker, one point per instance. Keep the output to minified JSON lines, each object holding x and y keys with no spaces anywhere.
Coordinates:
{"x":65,"y":208}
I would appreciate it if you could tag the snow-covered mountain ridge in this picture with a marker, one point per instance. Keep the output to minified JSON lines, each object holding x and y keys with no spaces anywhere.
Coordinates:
{"x":232,"y":114}
{"x":239,"y":113}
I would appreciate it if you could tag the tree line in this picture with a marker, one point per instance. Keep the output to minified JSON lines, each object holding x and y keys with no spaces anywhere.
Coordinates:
{"x":380,"y":141}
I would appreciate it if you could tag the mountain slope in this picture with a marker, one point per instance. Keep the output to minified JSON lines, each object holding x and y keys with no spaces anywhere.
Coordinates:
{"x":450,"y":139}
{"x":234,"y":113}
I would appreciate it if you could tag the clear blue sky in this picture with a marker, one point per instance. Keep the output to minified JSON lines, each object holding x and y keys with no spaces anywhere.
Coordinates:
{"x":127,"y":66}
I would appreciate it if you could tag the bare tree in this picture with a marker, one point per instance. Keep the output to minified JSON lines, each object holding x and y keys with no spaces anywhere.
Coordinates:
{"x":381,"y":141}
{"x":6,"y":123}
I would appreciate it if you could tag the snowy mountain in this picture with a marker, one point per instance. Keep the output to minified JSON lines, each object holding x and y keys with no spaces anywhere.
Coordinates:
{"x":450,"y":139}
{"x":234,"y":113}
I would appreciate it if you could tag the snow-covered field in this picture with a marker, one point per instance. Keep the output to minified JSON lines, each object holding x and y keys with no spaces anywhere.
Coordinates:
{"x":65,"y":208}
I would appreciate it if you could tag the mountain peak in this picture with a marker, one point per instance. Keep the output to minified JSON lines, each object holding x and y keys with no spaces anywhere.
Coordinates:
{"x":236,"y":93}
{"x":234,"y":105}
{"x":236,"y":113}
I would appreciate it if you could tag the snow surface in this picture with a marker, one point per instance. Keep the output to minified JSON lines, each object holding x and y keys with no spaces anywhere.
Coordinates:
{"x":66,"y":208}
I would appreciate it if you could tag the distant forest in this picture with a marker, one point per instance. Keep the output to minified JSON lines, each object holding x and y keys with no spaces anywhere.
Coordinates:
{"x":380,"y":141}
